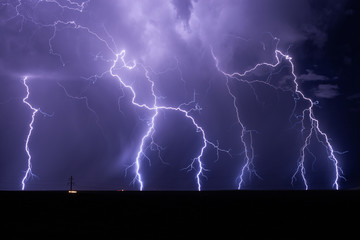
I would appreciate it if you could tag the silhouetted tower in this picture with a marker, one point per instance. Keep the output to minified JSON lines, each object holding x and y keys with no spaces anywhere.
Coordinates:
{"x":71,"y":183}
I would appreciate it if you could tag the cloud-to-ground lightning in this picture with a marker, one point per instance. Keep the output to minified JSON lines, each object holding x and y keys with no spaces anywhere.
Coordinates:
{"x":307,"y":112}
{"x":115,"y":63}
{"x":155,"y":108}
{"x":197,"y":162}
{"x":28,"y":171}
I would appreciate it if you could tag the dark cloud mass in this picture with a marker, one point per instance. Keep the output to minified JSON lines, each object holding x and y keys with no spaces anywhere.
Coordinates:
{"x":312,"y":76}
{"x":67,"y":49}
{"x":183,"y":9}
{"x":327,"y":91}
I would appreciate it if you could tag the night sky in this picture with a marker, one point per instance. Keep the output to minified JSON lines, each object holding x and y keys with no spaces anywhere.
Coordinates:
{"x":78,"y":57}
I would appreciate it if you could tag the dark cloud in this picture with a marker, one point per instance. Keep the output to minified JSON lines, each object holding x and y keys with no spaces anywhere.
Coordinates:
{"x":183,"y":9}
{"x":316,"y":35}
{"x":355,"y":102}
{"x":327,"y":91}
{"x":355,"y":97}
{"x":312,"y":76}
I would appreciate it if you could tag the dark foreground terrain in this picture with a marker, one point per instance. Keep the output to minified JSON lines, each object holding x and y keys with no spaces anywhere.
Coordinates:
{"x":181,"y":215}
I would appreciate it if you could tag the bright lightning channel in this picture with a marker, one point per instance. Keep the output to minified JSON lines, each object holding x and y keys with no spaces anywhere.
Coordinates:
{"x":73,"y":6}
{"x":307,"y":112}
{"x":155,"y":108}
{"x":28,"y":171}
{"x":197,"y":163}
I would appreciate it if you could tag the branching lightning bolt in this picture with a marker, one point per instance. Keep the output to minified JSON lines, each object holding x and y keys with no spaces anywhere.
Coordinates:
{"x":155,"y":108}
{"x":307,"y":112}
{"x":246,"y":136}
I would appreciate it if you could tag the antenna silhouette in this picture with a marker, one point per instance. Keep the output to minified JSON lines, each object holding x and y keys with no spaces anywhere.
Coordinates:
{"x":71,"y":184}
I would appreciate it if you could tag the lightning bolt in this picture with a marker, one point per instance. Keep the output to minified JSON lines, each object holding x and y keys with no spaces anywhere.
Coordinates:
{"x":28,"y":171}
{"x":118,"y":63}
{"x":155,"y":108}
{"x":248,"y":147}
{"x":67,"y":5}
{"x":306,"y":113}
{"x":196,"y":163}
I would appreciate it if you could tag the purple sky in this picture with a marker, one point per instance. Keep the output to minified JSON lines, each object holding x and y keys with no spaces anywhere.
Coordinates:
{"x":67,"y":48}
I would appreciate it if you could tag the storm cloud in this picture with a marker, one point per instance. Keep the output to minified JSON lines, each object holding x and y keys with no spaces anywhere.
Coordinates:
{"x":66,"y":48}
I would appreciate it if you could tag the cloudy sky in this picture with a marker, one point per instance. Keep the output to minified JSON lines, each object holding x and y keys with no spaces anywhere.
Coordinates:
{"x":92,"y":127}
